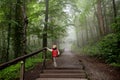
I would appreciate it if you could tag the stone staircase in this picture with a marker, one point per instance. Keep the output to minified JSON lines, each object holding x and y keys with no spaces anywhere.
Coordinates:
{"x":69,"y":67}
{"x":63,"y":74}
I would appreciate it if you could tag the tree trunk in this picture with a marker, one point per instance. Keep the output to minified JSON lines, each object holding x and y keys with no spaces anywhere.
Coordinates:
{"x":20,"y":29}
{"x":105,"y":19}
{"x":8,"y":40}
{"x":25,"y":24}
{"x":91,"y":30}
{"x":83,"y":39}
{"x":77,"y":38}
{"x":9,"y":31}
{"x":4,"y":54}
{"x":46,"y":24}
{"x":114,"y":10}
{"x":100,"y":18}
{"x":96,"y":25}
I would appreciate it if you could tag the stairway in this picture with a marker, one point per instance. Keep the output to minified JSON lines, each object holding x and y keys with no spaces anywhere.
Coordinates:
{"x":70,"y":67}
{"x":63,"y":74}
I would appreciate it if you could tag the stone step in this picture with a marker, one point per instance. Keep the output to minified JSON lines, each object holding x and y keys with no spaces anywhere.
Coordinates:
{"x":64,"y":71}
{"x":61,"y":79}
{"x":63,"y":75}
{"x":65,"y":68}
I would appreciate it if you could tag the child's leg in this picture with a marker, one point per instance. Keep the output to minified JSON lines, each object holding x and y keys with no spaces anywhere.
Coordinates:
{"x":54,"y":62}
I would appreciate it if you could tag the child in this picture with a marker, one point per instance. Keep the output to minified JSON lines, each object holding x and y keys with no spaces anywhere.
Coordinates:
{"x":55,"y":53}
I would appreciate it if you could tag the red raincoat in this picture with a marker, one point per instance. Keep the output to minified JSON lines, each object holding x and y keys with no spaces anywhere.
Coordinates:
{"x":54,"y":53}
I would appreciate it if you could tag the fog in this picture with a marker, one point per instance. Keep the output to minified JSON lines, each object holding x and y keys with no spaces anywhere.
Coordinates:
{"x":69,"y":39}
{"x":71,"y":34}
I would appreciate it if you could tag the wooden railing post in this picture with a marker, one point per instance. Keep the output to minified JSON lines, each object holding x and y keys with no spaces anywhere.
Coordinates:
{"x":44,"y":61}
{"x":22,"y":70}
{"x":45,"y":56}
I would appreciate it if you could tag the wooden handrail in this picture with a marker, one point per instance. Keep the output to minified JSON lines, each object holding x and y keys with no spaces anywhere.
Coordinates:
{"x":22,"y":58}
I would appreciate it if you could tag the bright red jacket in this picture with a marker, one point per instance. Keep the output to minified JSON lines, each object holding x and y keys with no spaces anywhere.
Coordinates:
{"x":54,"y":52}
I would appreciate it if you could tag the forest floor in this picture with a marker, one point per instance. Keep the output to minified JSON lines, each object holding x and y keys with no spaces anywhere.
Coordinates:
{"x":95,"y":68}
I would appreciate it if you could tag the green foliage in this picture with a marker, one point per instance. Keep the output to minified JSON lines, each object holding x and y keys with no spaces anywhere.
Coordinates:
{"x":13,"y":72}
{"x":115,"y":64}
{"x":109,"y":48}
{"x":10,"y":73}
{"x":49,"y":55}
{"x":90,"y":49}
{"x":116,"y":26}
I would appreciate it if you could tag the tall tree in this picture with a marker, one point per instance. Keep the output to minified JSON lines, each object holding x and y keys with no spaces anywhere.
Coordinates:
{"x":20,"y":29}
{"x":9,"y":30}
{"x":46,"y":24}
{"x":114,"y":10}
{"x":100,"y":18}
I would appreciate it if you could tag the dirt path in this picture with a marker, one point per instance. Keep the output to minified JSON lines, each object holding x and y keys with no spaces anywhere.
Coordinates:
{"x":95,"y":69}
{"x":68,"y":60}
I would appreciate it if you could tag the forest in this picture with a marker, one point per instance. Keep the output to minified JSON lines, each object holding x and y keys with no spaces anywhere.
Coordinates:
{"x":29,"y":25}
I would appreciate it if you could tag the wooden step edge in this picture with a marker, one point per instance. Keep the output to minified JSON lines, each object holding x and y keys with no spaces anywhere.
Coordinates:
{"x":62,"y":68}
{"x":64,"y":71}
{"x":61,"y":79}
{"x":63,"y":75}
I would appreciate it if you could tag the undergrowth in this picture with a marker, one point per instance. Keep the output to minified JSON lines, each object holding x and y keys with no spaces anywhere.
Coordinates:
{"x":13,"y":72}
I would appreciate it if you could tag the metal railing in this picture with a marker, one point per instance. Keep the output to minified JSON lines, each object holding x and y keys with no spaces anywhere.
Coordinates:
{"x":22,"y":60}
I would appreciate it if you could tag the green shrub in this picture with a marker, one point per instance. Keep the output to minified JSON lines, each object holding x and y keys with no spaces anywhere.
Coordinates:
{"x":10,"y":73}
{"x":91,"y":49}
{"x":107,"y":49}
{"x":13,"y":72}
{"x":109,"y":46}
{"x":115,"y":64}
